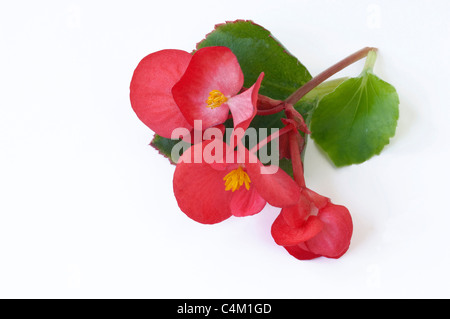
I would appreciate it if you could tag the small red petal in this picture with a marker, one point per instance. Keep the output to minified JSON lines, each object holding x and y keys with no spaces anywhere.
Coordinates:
{"x":318,"y":200}
{"x":246,"y":202}
{"x":151,"y":90}
{"x":243,"y":106}
{"x":284,"y":235}
{"x":296,"y":215}
{"x":334,"y":240}
{"x":300,"y":253}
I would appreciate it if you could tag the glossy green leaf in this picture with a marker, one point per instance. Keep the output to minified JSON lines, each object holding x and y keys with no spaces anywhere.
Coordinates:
{"x":164,"y":146}
{"x":356,"y":120}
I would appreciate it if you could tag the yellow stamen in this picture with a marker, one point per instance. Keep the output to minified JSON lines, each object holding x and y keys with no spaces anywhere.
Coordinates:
{"x":235,"y":179}
{"x":215,"y":99}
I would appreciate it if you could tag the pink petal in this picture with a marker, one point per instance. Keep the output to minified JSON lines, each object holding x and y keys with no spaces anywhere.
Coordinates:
{"x":151,"y":90}
{"x":334,"y":240}
{"x":284,"y":235}
{"x":200,"y":191}
{"x":243,"y":106}
{"x":211,"y":68}
{"x":246,"y":202}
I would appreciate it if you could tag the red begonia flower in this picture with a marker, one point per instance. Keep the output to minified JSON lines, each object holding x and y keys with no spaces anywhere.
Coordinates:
{"x":209,"y":89}
{"x":313,"y":227}
{"x":151,"y":90}
{"x":171,"y":89}
{"x":210,"y":192}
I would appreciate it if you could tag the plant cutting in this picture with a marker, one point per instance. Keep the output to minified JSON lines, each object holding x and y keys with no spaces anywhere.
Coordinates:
{"x":234,"y":116}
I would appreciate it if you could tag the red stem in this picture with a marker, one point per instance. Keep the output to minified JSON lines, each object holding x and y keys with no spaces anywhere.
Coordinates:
{"x":266,"y":103}
{"x":268,"y":106}
{"x":267,"y":140}
{"x":296,"y":158}
{"x":278,"y":108}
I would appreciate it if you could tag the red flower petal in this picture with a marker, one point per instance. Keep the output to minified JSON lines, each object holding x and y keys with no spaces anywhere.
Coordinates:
{"x":334,"y":240}
{"x":318,"y":200}
{"x":284,"y":235}
{"x":300,"y":253}
{"x":246,"y":202}
{"x":296,"y":215}
{"x":151,"y":90}
{"x":211,"y":68}
{"x":243,"y":106}
{"x":199,"y":189}
{"x":278,"y":188}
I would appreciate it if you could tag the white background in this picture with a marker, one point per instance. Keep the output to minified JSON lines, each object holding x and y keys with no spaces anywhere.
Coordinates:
{"x":87,"y":208}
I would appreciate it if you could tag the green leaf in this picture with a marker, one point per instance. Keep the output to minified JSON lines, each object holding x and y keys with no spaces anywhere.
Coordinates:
{"x":356,"y":120}
{"x":165,"y":146}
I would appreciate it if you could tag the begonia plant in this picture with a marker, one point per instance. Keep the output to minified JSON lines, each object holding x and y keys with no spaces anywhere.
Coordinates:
{"x":234,"y":116}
